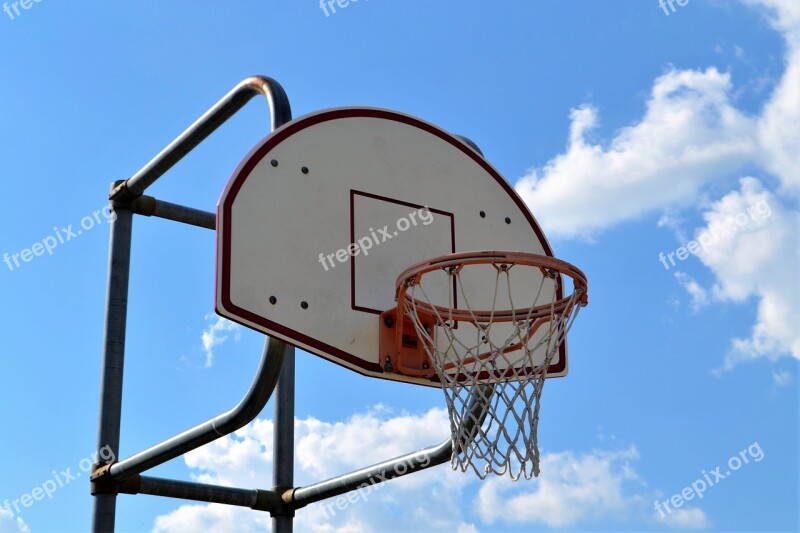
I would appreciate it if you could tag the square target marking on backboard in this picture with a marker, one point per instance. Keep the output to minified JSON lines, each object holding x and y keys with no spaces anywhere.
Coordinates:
{"x":383,"y":229}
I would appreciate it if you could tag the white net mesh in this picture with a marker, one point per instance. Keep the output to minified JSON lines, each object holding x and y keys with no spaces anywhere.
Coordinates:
{"x":493,"y":364}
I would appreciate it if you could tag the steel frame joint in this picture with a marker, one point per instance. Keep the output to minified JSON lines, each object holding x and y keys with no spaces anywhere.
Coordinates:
{"x":102,"y":482}
{"x":273,"y":502}
{"x":121,"y":201}
{"x":121,"y":193}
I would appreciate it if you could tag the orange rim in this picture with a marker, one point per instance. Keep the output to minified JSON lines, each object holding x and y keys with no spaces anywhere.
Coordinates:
{"x":550,"y":266}
{"x":413,"y":275}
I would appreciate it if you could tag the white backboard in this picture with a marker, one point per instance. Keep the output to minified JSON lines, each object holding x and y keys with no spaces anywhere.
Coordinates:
{"x":321,"y":217}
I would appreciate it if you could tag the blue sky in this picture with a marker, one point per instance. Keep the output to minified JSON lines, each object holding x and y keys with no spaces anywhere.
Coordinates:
{"x":628,"y":131}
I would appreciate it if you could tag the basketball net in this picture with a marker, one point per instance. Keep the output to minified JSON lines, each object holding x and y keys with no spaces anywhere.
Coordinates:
{"x":493,"y":380}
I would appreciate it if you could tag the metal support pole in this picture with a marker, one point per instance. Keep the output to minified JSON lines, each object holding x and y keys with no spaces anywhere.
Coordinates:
{"x":119,"y":261}
{"x":283,"y":443}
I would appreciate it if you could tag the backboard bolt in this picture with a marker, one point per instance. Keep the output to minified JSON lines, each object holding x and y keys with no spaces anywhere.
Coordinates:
{"x":508,"y":220}
{"x":387,"y":366}
{"x":388,"y":322}
{"x":304,"y":170}
{"x":304,"y":305}
{"x":483,"y":214}
{"x":273,"y":300}
{"x":274,"y":162}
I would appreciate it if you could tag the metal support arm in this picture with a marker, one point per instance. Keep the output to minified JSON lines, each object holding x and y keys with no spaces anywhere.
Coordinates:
{"x":275,"y":352}
{"x":399,"y":466}
{"x":280,"y":113}
{"x":372,"y":475}
{"x":153,"y":207}
{"x":260,"y":500}
{"x":199,"y":492}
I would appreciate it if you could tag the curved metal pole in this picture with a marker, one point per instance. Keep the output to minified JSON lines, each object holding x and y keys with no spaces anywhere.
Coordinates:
{"x":251,"y":405}
{"x":122,"y":196}
{"x":280,"y":113}
{"x":399,"y":466}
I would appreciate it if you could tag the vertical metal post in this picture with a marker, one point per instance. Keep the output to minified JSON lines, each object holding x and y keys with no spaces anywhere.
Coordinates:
{"x":119,"y":260}
{"x":283,"y":442}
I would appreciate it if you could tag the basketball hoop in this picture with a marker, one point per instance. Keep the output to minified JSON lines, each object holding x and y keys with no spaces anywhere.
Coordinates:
{"x":482,"y":348}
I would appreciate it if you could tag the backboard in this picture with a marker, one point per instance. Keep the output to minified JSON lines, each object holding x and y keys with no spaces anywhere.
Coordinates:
{"x":318,"y":221}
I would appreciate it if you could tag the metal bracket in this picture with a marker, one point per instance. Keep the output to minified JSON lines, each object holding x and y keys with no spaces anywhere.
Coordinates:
{"x":274,"y":502}
{"x":103,"y":483}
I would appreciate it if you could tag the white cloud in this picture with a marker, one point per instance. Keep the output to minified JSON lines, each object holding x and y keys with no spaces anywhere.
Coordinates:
{"x":675,"y":222}
{"x":215,"y":335}
{"x":323,"y":450}
{"x":690,"y":136}
{"x":784,"y":15}
{"x":212,"y":517}
{"x":782,"y":378}
{"x":779,"y":126}
{"x":698,"y":294}
{"x":571,"y":489}
{"x":693,"y":518}
{"x":11,"y":524}
{"x":753,"y":249}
